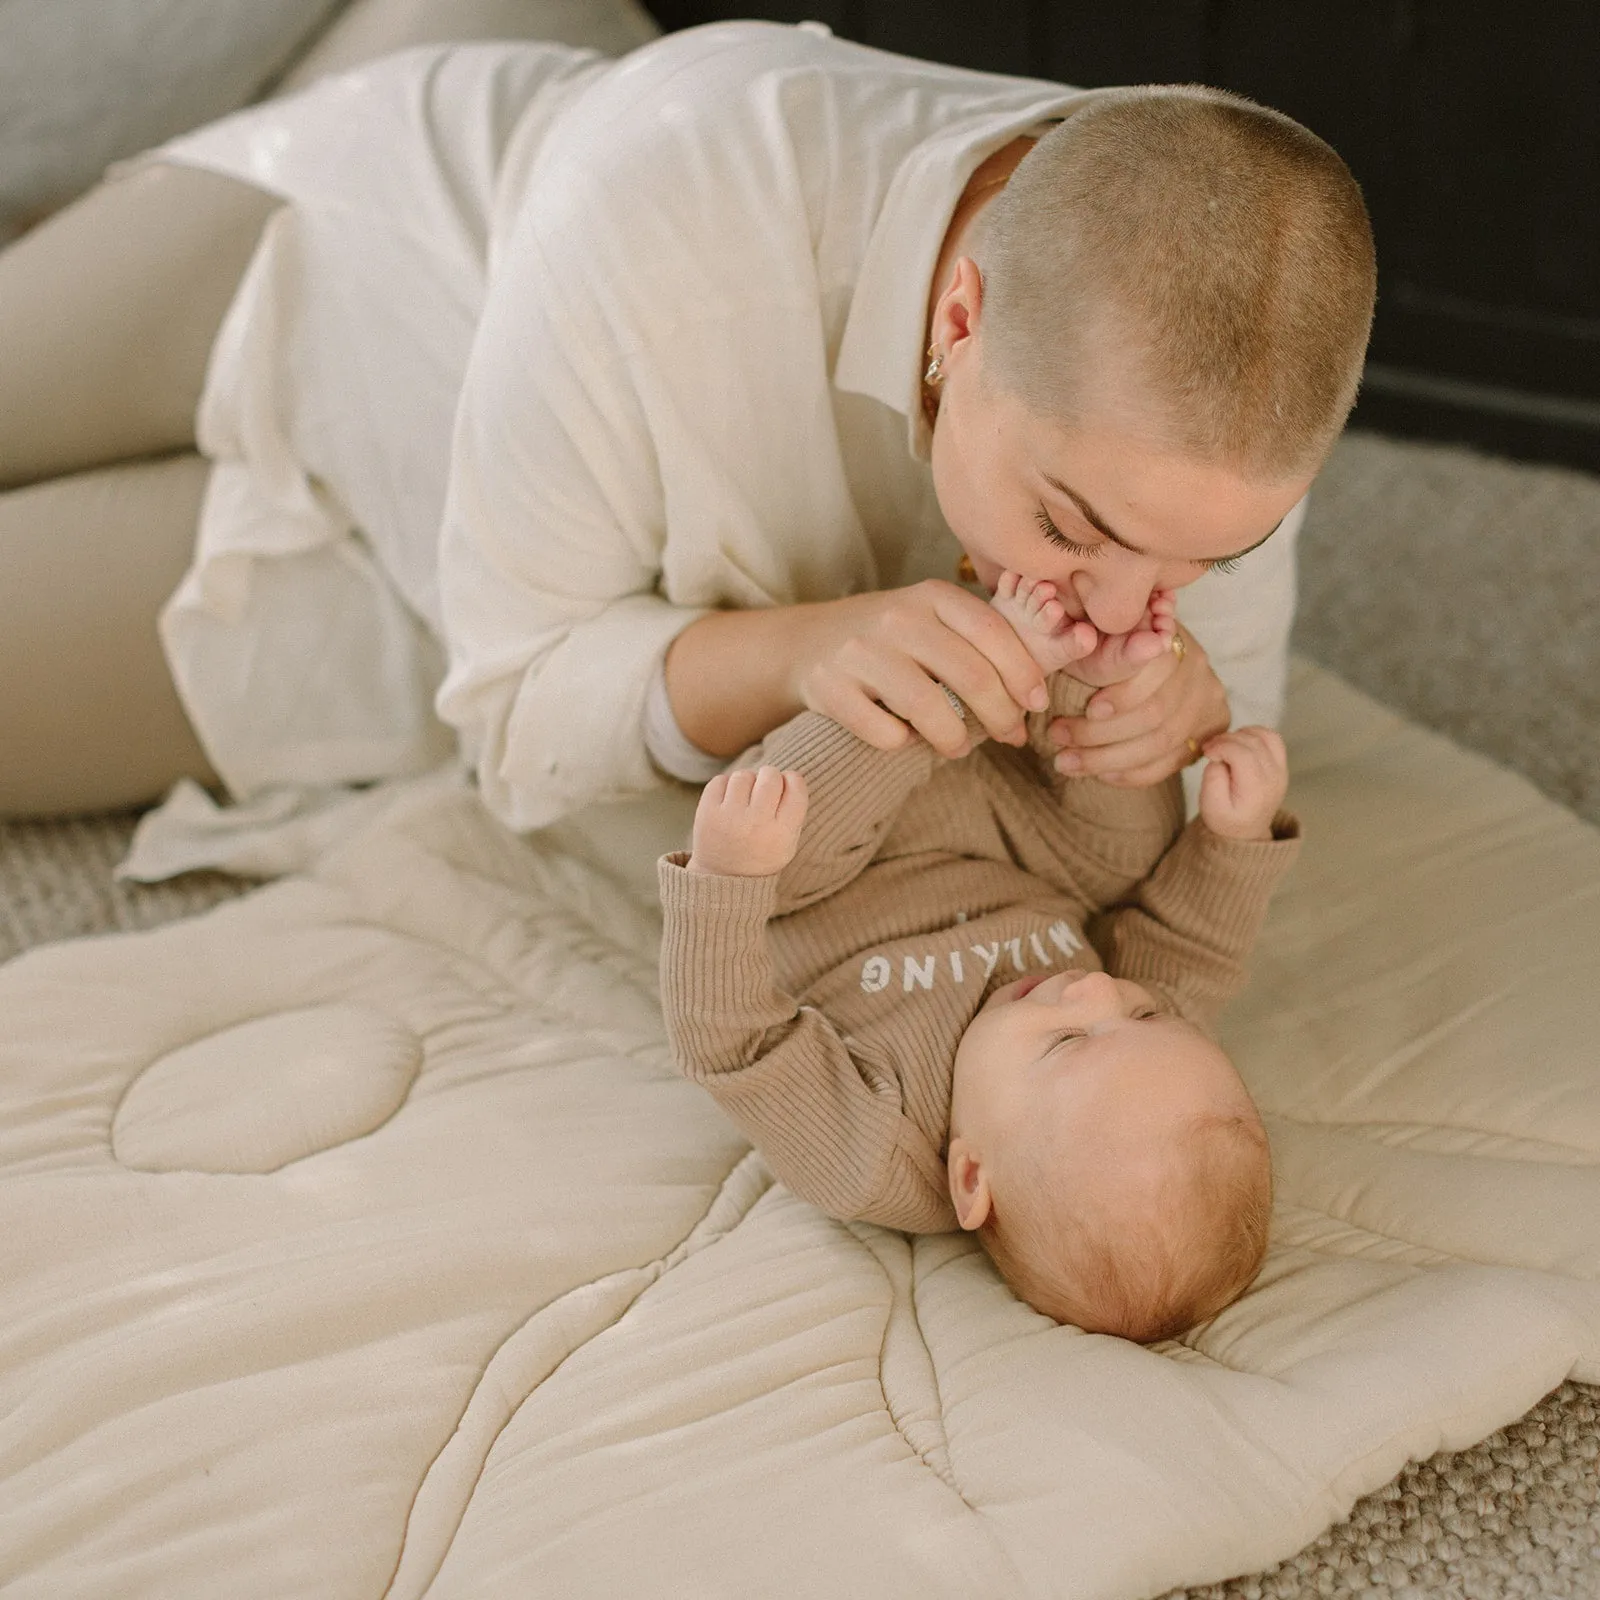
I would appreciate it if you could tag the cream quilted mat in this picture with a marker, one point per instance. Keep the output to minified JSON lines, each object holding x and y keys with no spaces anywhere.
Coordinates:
{"x":359,"y":1240}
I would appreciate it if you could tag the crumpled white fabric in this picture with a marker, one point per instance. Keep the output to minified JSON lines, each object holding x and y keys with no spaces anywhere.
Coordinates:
{"x":278,"y":831}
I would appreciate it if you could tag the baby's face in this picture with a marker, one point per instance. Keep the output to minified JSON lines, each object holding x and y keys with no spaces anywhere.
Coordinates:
{"x":1095,"y":1065}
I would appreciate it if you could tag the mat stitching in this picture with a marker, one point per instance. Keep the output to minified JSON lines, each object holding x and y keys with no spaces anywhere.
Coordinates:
{"x":660,"y":1265}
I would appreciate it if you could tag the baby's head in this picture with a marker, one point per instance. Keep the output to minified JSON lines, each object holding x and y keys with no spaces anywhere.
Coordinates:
{"x":1108,"y":1156}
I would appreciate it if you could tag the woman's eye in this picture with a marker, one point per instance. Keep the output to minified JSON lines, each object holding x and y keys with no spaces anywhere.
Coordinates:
{"x":1059,"y":539}
{"x":1145,"y":1015}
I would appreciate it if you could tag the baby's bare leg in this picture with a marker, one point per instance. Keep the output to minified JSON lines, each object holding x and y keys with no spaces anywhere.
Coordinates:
{"x":89,"y":719}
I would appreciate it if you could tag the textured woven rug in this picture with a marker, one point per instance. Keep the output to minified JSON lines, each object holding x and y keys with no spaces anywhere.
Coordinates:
{"x":1474,"y":541}
{"x":1464,"y":591}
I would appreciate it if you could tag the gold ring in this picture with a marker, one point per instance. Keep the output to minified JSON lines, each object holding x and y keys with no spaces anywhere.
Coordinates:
{"x":965,"y":571}
{"x":1180,"y":650}
{"x":1194,"y":750}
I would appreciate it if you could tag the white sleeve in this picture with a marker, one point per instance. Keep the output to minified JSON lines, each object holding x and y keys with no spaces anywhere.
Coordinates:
{"x":1244,"y":618}
{"x":550,"y":557}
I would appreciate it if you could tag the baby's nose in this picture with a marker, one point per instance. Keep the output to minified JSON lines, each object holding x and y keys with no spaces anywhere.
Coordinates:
{"x":1098,"y":989}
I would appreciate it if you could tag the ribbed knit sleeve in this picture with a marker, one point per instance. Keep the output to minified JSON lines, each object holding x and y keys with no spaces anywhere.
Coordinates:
{"x":855,"y":791}
{"x":826,"y":1113}
{"x":1090,"y":840}
{"x":1193,"y":922}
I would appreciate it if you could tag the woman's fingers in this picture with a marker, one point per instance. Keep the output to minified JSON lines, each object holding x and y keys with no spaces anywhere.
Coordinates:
{"x":904,"y":687}
{"x":1147,"y":728}
{"x":853,"y":708}
{"x":881,"y":660}
{"x":1019,"y":678}
{"x":958,"y":641}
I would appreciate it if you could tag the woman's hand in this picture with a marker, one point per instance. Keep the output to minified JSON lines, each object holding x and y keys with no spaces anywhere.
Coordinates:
{"x":874,"y":662}
{"x":1138,"y":732}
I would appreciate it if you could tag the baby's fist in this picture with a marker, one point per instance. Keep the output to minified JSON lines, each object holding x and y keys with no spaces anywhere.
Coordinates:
{"x":747,"y":824}
{"x":1244,"y":784}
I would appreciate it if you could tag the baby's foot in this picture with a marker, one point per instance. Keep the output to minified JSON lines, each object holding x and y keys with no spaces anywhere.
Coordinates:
{"x":1116,"y":657}
{"x":747,"y":824}
{"x":1053,"y":639}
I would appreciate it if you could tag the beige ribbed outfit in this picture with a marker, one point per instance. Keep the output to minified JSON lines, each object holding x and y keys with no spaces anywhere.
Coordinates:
{"x":822,"y":1005}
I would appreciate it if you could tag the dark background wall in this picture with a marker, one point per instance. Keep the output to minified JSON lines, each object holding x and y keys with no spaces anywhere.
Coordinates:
{"x":1473,"y":128}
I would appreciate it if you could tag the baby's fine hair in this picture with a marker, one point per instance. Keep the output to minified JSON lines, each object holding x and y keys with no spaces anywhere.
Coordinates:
{"x":1211,"y":250}
{"x":1144,"y":1277}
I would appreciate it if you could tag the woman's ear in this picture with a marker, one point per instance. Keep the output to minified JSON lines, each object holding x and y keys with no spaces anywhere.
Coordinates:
{"x":969,"y":1185}
{"x":955,"y":316}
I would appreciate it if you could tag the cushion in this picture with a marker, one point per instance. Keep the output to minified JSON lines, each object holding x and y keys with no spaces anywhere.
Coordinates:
{"x":361,"y":1238}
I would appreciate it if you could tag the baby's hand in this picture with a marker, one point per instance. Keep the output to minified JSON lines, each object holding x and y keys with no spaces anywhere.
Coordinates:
{"x":1244,"y":784}
{"x":1041,"y":623}
{"x":747,"y":824}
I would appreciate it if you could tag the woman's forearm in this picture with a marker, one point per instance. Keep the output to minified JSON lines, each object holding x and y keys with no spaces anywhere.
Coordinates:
{"x":731,"y":676}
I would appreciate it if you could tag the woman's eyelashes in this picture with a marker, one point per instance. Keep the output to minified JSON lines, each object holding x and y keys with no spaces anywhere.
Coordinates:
{"x":1059,"y":539}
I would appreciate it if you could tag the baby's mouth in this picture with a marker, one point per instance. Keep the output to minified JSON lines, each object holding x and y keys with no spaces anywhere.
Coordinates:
{"x":1026,"y":986}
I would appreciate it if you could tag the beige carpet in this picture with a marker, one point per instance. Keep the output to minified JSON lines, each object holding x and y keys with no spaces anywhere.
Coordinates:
{"x":1461,"y":589}
{"x":1464,"y":591}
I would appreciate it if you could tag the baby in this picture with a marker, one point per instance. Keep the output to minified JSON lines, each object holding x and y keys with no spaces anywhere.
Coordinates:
{"x":975,"y":994}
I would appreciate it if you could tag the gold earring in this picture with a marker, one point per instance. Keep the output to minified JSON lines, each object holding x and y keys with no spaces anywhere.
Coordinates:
{"x":935,"y":365}
{"x":965,"y":571}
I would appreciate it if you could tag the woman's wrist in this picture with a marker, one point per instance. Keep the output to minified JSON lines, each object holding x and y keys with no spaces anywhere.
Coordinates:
{"x":732,"y":676}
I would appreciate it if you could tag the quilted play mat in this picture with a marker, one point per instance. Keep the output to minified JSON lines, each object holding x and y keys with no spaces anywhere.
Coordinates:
{"x":360,"y":1240}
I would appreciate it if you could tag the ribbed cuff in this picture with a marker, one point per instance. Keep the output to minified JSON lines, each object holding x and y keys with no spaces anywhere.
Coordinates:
{"x":718,"y":990}
{"x":734,"y":901}
{"x":1224,"y":885}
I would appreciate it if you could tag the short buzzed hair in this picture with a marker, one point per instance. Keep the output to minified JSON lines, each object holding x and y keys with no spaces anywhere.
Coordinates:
{"x":1214,"y":250}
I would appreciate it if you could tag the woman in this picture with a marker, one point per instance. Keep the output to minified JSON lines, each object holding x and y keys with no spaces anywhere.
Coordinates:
{"x":711,"y":333}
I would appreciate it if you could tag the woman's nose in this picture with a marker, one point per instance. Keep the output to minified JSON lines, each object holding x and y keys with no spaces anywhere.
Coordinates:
{"x":1115,"y":601}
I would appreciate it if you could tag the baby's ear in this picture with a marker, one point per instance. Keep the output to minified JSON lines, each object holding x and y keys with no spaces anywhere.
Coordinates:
{"x":969,"y":1185}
